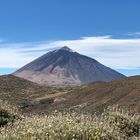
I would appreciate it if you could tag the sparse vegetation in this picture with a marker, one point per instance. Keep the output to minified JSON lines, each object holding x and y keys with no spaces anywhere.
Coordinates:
{"x":113,"y":124}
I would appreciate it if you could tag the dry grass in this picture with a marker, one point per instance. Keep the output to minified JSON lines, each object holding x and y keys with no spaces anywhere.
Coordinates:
{"x":113,"y":124}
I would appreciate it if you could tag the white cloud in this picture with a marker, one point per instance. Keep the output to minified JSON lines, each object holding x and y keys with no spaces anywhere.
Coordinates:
{"x":134,"y":34}
{"x":115,"y":53}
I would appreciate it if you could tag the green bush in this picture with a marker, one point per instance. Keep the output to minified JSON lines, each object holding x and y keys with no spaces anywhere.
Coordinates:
{"x":6,"y":117}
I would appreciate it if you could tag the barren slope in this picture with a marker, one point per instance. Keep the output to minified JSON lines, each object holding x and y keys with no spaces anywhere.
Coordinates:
{"x":32,"y":98}
{"x":96,"y":97}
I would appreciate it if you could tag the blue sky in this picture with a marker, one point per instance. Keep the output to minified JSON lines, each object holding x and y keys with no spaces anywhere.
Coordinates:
{"x":107,"y":30}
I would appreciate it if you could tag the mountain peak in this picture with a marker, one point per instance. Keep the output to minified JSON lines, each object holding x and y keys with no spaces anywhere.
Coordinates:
{"x":66,"y":48}
{"x":63,"y":68}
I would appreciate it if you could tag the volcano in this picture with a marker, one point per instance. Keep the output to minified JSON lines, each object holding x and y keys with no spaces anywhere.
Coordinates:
{"x":64,"y":67}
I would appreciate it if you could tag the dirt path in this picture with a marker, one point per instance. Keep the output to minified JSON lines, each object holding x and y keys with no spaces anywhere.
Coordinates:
{"x":50,"y":96}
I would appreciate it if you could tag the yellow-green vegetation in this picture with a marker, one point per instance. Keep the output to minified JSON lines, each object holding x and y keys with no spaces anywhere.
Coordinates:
{"x":113,"y":124}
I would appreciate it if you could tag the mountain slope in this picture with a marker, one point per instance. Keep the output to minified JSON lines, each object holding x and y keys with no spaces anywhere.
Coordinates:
{"x":64,"y":67}
{"x":33,"y":98}
{"x":20,"y":92}
{"x":96,"y":97}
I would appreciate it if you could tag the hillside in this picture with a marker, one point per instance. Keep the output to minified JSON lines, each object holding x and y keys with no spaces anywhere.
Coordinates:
{"x":64,"y":67}
{"x":95,"y":97}
{"x":21,"y":92}
{"x":33,"y":98}
{"x":113,"y":124}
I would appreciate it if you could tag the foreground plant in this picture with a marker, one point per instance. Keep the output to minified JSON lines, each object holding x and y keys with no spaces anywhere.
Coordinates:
{"x":111,"y":125}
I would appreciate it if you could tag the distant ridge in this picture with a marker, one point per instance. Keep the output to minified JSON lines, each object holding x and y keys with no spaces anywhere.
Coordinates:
{"x":65,"y":67}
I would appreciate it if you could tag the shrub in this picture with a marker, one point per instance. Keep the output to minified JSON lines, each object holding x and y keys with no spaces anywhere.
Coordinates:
{"x":128,"y":123}
{"x":111,"y":125}
{"x":6,"y":117}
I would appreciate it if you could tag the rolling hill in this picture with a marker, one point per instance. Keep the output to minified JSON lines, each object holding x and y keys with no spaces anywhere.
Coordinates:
{"x":21,"y":92}
{"x":96,"y":96}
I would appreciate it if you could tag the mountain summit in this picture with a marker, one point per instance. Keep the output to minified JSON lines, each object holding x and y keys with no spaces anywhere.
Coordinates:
{"x":65,"y":67}
{"x":66,"y":49}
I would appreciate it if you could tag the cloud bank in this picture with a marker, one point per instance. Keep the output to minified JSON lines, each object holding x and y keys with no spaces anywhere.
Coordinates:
{"x":112,"y":52}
